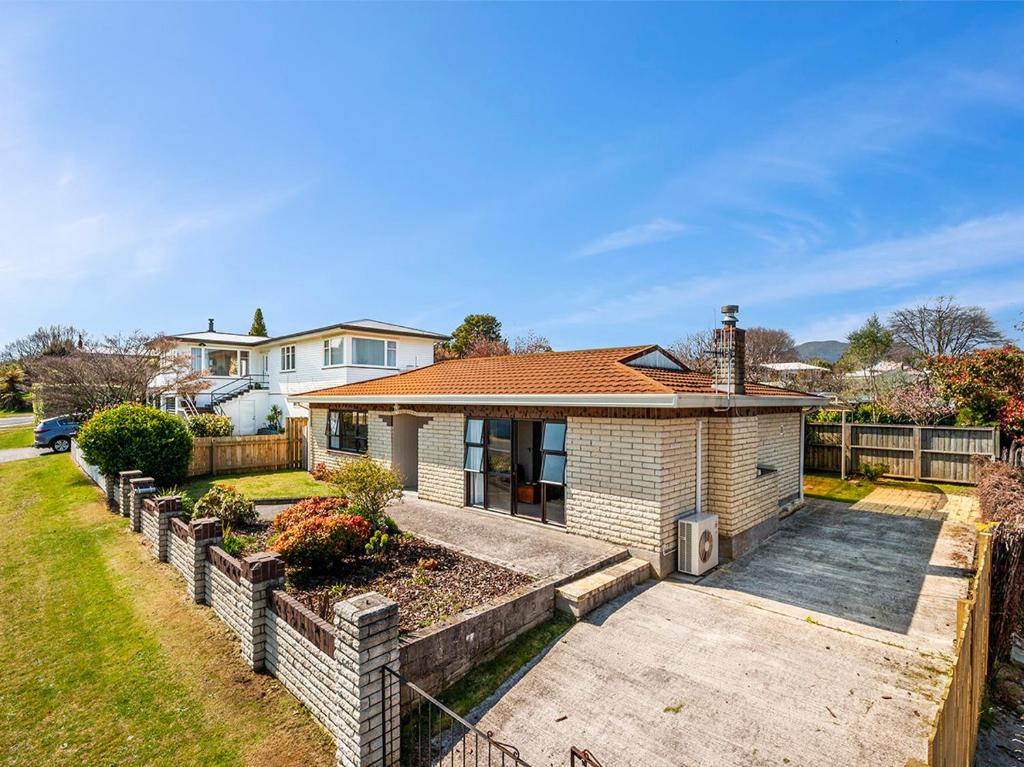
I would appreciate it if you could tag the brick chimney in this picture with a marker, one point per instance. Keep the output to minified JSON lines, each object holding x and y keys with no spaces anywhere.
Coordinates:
{"x":729,"y":354}
{"x":211,"y":324}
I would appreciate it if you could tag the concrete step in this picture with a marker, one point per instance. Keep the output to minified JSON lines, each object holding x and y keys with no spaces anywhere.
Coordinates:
{"x":591,"y":591}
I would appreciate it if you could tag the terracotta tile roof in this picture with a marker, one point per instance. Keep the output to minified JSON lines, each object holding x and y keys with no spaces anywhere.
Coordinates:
{"x":589,"y":371}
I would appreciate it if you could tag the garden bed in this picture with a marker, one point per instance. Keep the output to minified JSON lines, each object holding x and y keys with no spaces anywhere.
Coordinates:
{"x":431,"y":583}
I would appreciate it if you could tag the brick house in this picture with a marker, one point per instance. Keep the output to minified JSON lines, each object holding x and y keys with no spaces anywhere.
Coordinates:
{"x":615,"y":444}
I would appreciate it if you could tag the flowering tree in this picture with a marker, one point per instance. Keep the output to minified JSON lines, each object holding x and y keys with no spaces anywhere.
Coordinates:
{"x":982,"y":384}
{"x":919,"y":402}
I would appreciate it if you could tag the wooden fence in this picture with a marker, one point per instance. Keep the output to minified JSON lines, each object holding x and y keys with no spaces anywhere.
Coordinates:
{"x":955,"y":729}
{"x":935,"y":453}
{"x":220,"y":455}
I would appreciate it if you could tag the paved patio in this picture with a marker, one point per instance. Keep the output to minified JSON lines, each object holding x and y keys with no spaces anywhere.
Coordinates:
{"x":535,"y":549}
{"x":829,"y":644}
{"x":915,"y":503}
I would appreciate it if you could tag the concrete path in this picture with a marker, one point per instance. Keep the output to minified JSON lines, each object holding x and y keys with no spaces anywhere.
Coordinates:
{"x":20,"y":453}
{"x":528,"y":547}
{"x":13,"y":421}
{"x":916,"y":503}
{"x":827,"y":645}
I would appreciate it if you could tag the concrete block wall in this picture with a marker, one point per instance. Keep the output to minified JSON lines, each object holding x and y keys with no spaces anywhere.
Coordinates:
{"x":629,"y":479}
{"x":305,"y":667}
{"x":367,"y":628}
{"x":747,"y":505}
{"x":440,"y":458}
{"x":378,"y":440}
{"x":335,"y":670}
{"x":778,"y":446}
{"x":142,"y":488}
{"x":124,"y":490}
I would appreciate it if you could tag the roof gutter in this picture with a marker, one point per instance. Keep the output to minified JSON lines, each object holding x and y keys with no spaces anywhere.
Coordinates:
{"x":679,"y":401}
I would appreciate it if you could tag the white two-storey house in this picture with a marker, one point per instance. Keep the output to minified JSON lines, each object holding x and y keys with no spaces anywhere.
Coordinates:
{"x":248,"y":375}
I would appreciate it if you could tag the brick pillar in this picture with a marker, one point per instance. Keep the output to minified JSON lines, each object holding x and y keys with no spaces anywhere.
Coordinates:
{"x":260,"y":574}
{"x":142,"y":488}
{"x":124,"y":494}
{"x":110,"y":487}
{"x":203,"y":533}
{"x":367,"y":640}
{"x":156,"y":521}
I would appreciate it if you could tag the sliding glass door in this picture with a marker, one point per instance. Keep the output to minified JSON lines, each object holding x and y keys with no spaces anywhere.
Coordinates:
{"x":516,"y":467}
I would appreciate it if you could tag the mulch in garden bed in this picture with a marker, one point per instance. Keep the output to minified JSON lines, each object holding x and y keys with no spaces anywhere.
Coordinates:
{"x":255,"y":537}
{"x":430,"y":583}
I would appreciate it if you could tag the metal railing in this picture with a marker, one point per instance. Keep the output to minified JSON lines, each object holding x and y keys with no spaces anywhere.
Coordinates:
{"x":231,"y":388}
{"x":432,"y":734}
{"x":582,"y":758}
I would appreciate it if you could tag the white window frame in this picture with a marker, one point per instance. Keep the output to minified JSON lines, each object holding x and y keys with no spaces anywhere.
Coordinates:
{"x":286,"y":353}
{"x":387,"y":342}
{"x":338,"y":342}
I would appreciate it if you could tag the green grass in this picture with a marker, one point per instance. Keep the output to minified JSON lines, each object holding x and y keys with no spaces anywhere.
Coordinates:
{"x":463,"y":696}
{"x":832,"y":488}
{"x":6,"y":413}
{"x":104,"y":661}
{"x":18,"y":437}
{"x":289,"y":483}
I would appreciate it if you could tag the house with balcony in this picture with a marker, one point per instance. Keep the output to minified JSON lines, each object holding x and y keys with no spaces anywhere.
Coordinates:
{"x":249,"y":375}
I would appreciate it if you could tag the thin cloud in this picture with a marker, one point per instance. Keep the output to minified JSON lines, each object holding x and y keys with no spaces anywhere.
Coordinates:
{"x":912,"y":261}
{"x":658,"y":230}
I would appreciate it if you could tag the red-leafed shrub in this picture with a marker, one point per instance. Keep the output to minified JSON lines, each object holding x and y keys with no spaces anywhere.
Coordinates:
{"x":307,"y":509}
{"x":320,"y":472}
{"x":321,"y":542}
{"x":1011,"y":418}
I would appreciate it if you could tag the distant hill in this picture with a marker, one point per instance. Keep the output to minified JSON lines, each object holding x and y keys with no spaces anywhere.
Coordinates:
{"x":826,"y":350}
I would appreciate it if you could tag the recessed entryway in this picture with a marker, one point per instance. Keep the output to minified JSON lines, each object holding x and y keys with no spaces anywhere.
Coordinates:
{"x":405,"y":448}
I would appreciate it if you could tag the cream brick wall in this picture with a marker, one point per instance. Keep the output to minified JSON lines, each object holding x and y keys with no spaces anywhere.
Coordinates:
{"x":628,"y":480}
{"x":378,"y":440}
{"x":735,"y":493}
{"x":440,"y":457}
{"x":778,"y":446}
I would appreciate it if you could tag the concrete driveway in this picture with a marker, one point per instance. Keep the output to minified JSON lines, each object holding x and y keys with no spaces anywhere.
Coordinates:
{"x":827,"y":645}
{"x":13,"y":421}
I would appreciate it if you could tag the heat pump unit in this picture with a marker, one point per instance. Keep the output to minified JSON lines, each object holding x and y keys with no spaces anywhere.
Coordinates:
{"x":698,"y":543}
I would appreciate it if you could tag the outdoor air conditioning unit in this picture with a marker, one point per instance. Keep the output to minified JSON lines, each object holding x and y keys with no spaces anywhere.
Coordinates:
{"x":698,"y":543}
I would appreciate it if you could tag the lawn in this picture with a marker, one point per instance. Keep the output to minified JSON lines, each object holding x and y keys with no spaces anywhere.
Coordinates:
{"x":6,"y":413}
{"x":290,"y":483}
{"x":17,"y":437}
{"x":853,"y":489}
{"x":105,"y":663}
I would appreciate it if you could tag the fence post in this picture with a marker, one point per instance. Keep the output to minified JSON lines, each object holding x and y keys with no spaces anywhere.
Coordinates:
{"x":158,"y":512}
{"x":203,"y":533}
{"x":260,"y":574}
{"x":367,"y":632}
{"x":142,"y":488}
{"x":124,"y":494}
{"x":917,"y":453}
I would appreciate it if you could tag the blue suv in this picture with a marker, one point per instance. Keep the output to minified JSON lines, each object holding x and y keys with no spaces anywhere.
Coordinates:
{"x":56,"y":433}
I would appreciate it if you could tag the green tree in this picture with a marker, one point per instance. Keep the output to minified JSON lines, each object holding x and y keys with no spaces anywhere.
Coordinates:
{"x":259,"y":327}
{"x":868,"y":346}
{"x":476,"y":328}
{"x":13,"y":387}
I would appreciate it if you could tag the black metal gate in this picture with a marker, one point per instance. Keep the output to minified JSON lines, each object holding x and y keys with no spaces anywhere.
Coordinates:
{"x":432,"y":734}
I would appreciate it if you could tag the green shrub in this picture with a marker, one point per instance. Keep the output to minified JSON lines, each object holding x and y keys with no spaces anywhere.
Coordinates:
{"x":231,"y":543}
{"x":322,"y":543}
{"x":137,"y":437}
{"x":228,"y":505}
{"x":874,"y":471}
{"x":306,"y":509}
{"x":188,"y":504}
{"x":368,"y":485}
{"x":210,"y":425}
{"x":379,"y":542}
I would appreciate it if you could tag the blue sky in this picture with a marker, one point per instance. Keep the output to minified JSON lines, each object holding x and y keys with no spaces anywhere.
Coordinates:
{"x":602,"y":174}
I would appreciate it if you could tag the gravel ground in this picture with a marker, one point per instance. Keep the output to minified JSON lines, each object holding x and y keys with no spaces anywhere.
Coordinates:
{"x":430,"y":583}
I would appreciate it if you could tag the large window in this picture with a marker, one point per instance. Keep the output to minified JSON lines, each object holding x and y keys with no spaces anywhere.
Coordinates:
{"x":552,"y":469}
{"x":376,"y":352}
{"x":197,"y":359}
{"x":287,"y":358}
{"x":222,"y":362}
{"x":334,"y":351}
{"x":347,"y":430}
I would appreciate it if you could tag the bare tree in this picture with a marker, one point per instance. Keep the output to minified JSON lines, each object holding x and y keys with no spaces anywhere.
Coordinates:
{"x":943,"y":327}
{"x":95,"y":375}
{"x":53,"y":340}
{"x":531,"y":343}
{"x":765,"y":345}
{"x":694,"y":350}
